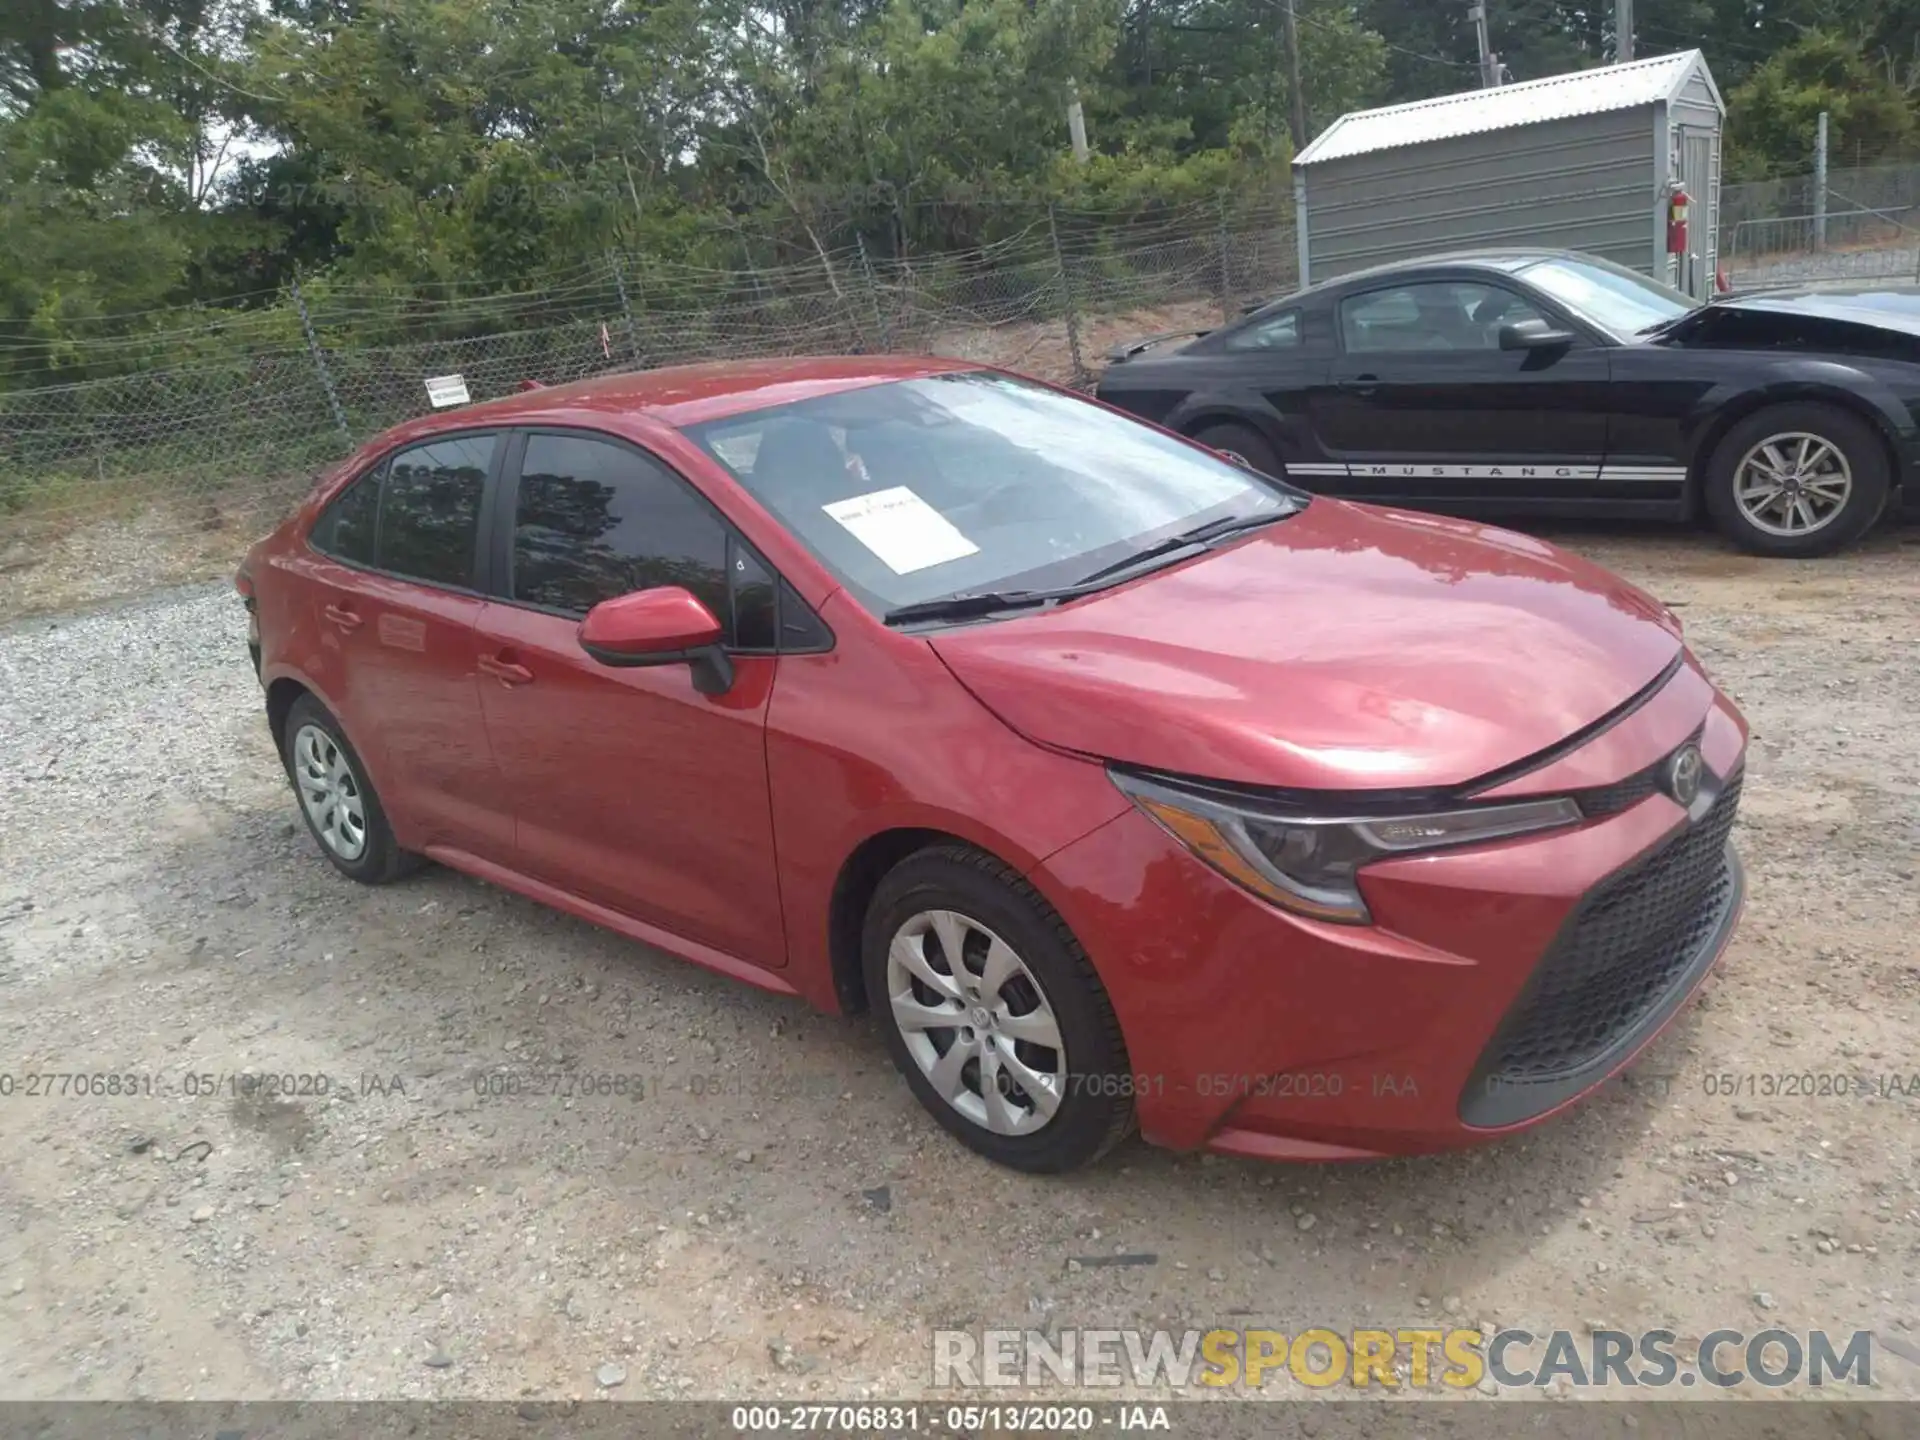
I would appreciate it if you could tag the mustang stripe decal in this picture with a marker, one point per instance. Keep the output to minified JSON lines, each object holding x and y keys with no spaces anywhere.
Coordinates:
{"x":1518,"y":470}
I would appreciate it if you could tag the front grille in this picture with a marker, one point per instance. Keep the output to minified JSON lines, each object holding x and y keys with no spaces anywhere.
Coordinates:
{"x":1620,"y":963}
{"x":1611,"y":799}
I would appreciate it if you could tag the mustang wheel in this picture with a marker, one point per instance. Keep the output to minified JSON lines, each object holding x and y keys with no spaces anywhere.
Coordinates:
{"x":1797,"y":480}
{"x":340,"y":807}
{"x":1243,"y":446}
{"x":994,"y":1013}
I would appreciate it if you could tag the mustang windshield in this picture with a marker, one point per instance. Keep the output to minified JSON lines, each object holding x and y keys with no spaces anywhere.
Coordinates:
{"x":973,"y":484}
{"x":1617,"y":299}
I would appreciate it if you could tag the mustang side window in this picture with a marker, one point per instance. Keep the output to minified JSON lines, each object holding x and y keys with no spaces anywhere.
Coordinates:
{"x":1443,"y":315}
{"x":1276,"y":332}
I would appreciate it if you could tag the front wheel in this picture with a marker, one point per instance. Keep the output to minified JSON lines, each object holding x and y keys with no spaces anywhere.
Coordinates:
{"x":1797,"y":480}
{"x":992,"y":1011}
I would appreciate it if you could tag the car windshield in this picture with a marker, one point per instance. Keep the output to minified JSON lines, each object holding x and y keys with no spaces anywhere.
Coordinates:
{"x":1616,"y":299}
{"x":973,"y":482}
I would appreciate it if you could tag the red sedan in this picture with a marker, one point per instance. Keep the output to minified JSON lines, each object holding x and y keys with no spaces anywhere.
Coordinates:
{"x":1123,"y":785}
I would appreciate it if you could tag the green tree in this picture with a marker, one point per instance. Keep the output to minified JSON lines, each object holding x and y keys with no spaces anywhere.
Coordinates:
{"x":1773,"y":115}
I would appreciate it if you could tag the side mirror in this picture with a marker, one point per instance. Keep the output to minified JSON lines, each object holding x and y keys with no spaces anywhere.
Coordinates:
{"x":663,"y":626}
{"x":1534,"y":335}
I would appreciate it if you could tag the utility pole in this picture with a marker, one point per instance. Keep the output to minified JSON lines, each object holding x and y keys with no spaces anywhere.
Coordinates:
{"x":1820,"y":183}
{"x":1296,"y":98}
{"x":1622,"y":31}
{"x":1489,"y":62}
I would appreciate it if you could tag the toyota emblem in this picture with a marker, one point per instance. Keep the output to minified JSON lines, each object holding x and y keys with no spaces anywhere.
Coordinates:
{"x":1683,"y":775}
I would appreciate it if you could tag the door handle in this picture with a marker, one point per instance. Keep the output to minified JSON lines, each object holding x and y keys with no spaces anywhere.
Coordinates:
{"x":505,"y":671}
{"x":1359,"y":384}
{"x":342,"y":617}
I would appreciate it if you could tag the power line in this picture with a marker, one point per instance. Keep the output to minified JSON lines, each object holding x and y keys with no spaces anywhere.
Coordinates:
{"x":1319,"y":24}
{"x":1694,"y":42}
{"x":219,"y":80}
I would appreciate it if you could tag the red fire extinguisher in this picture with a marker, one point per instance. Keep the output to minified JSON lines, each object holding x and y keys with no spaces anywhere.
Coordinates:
{"x":1677,"y":207}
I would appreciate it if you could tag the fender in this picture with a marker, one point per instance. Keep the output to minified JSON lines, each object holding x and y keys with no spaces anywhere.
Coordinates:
{"x":1831,"y":381}
{"x":809,"y":898}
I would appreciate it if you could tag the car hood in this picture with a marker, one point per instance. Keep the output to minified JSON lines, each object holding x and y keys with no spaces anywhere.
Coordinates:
{"x":1882,"y":308}
{"x":1346,"y":648}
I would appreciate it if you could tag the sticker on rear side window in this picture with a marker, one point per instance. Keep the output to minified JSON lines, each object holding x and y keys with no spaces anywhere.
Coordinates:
{"x":905,"y":531}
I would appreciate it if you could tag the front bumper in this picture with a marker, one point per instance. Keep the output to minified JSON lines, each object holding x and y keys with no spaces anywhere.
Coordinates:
{"x":1498,"y":985}
{"x":1629,"y":956}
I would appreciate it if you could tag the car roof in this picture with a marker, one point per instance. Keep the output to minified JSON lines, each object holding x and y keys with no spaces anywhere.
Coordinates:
{"x":1507,"y":260}
{"x":682,"y":395}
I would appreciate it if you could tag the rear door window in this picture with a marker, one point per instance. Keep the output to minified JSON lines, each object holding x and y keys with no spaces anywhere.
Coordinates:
{"x":430,"y":510}
{"x":346,"y":528}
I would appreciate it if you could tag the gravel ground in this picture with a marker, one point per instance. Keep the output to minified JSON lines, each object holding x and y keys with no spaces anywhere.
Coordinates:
{"x":776,"y":1217}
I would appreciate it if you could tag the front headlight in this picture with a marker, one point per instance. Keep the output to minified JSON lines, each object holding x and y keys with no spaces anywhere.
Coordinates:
{"x":1310,"y":864}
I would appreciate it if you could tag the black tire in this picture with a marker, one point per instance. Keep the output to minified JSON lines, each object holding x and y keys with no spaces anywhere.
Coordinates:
{"x":1856,"y":440}
{"x":380,"y":858}
{"x":1095,"y":1109}
{"x":1244,"y":444}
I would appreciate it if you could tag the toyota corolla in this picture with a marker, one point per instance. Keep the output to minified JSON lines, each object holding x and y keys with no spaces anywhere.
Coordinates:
{"x":1124,"y":786}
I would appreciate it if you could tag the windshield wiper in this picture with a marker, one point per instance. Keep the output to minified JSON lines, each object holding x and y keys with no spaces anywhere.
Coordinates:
{"x":1199,"y":535}
{"x":970,"y":602}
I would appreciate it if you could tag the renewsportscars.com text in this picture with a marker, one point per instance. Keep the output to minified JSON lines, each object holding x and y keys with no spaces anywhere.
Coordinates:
{"x":1415,"y":1357}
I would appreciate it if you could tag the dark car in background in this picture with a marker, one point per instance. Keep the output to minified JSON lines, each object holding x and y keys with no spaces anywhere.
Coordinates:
{"x":1551,"y":383}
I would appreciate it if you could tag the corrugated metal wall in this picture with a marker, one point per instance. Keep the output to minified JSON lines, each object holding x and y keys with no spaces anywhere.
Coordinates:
{"x":1585,"y":182}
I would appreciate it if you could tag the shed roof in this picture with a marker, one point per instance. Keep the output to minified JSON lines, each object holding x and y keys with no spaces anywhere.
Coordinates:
{"x":1558,"y":97}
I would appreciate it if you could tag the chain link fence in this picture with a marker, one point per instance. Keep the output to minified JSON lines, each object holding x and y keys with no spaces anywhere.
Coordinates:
{"x":1778,"y":232}
{"x":166,"y":472}
{"x":214,"y":422}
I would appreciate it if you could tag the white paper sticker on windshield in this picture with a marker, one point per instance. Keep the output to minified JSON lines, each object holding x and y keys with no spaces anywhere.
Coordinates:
{"x":902,"y":529}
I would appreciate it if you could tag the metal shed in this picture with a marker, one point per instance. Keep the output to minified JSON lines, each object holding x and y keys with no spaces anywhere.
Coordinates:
{"x":1585,"y":161}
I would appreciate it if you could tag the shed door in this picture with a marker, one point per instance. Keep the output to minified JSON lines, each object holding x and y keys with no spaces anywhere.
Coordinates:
{"x":1699,"y":177}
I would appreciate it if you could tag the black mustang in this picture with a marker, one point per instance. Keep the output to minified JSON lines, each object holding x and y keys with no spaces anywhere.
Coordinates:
{"x":1553,"y":383}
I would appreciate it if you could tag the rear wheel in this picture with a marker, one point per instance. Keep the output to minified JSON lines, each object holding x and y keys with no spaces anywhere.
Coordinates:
{"x":1243,"y":445}
{"x":1797,"y":480}
{"x":993,"y":1012}
{"x":337,"y":801}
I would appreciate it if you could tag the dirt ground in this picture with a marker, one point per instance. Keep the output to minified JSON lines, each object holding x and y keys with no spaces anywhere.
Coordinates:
{"x":775,"y":1216}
